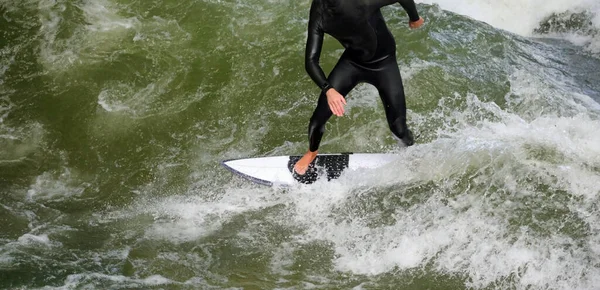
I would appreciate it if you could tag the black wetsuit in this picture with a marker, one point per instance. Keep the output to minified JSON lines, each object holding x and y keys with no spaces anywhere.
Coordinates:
{"x":370,"y":56}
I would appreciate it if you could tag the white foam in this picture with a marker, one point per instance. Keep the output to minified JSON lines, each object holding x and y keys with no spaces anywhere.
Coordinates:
{"x":475,"y":241}
{"x":154,"y":98}
{"x":283,"y":259}
{"x":182,"y":219}
{"x":18,"y":142}
{"x":83,"y":279}
{"x":524,"y":16}
{"x":459,"y":231}
{"x":102,"y":17}
{"x":94,"y":280}
{"x":362,"y":97}
{"x":34,"y":239}
{"x":51,"y":185}
{"x":534,"y":94}
{"x":6,"y":261}
{"x":5,"y":107}
{"x":105,"y":101}
{"x":594,"y":45}
{"x":467,"y":231}
{"x":138,"y":102}
{"x":103,"y":26}
{"x":517,"y":16}
{"x":5,"y":62}
{"x":464,"y":231}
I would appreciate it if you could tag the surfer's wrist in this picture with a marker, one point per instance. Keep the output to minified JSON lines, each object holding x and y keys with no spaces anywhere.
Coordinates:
{"x":417,"y":23}
{"x":326,"y":87}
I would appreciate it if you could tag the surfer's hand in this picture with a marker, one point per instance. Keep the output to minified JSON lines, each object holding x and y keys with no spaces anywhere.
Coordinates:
{"x":416,"y":24}
{"x":336,"y":102}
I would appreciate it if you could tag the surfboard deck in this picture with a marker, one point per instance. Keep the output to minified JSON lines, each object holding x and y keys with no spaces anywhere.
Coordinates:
{"x":278,"y":170}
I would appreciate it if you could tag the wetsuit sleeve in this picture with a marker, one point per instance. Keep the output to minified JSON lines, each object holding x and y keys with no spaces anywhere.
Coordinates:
{"x":411,"y":9}
{"x":409,"y":6}
{"x":314,"y":43}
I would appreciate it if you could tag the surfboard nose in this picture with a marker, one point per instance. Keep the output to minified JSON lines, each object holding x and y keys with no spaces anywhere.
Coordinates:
{"x":267,"y":170}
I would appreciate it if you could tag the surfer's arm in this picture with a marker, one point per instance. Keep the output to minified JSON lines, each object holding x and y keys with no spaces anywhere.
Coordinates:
{"x":314,"y":43}
{"x":411,"y":9}
{"x":409,"y":6}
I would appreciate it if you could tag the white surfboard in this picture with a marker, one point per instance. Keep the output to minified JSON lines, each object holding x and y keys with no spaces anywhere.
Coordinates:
{"x":278,"y":170}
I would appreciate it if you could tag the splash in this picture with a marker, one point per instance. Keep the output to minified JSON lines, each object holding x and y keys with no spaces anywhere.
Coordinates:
{"x":531,"y":17}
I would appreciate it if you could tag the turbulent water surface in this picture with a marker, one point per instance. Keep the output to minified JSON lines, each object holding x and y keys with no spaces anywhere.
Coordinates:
{"x":115,"y":114}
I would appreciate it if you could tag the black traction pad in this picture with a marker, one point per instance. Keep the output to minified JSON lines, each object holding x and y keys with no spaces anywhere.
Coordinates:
{"x":331,"y":165}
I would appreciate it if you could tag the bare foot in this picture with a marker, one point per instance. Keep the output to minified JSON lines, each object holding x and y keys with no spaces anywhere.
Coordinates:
{"x":302,"y":164}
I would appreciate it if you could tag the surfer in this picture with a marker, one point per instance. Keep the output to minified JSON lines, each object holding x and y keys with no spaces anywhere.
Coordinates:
{"x":369,"y":56}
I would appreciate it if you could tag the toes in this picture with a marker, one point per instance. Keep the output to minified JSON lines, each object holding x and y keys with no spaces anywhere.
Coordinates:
{"x":299,"y":170}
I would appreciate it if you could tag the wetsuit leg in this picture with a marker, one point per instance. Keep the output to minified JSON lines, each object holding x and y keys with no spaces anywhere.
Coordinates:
{"x":386,"y":78}
{"x":344,"y":77}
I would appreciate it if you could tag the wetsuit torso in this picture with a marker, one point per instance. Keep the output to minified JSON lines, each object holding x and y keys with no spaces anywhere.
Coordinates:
{"x":358,"y":25}
{"x":369,"y":57}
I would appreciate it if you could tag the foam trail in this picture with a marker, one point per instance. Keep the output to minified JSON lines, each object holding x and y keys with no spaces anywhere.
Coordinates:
{"x":93,"y":280}
{"x":187,"y":219}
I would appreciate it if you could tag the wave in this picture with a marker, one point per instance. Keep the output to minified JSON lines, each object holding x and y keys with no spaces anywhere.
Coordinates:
{"x":577,"y":21}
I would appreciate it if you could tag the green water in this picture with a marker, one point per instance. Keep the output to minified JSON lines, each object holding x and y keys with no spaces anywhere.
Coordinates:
{"x":114,"y":116}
